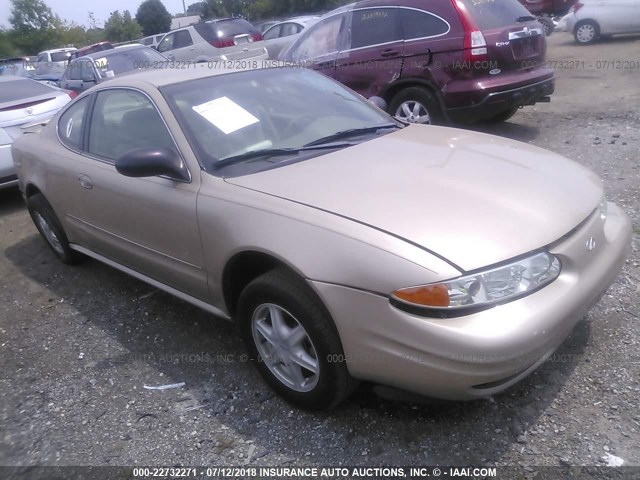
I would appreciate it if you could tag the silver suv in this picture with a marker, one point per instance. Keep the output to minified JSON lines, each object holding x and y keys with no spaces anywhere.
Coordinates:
{"x":223,"y":39}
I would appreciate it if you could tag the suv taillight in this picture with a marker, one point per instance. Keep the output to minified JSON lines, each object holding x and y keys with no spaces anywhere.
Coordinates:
{"x":223,"y":42}
{"x":577,"y":7}
{"x":475,"y":45}
{"x":72,"y":94}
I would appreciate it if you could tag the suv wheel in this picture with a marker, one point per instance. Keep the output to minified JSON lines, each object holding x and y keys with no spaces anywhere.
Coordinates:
{"x":548,"y":25}
{"x":293,"y":342}
{"x":416,"y":105}
{"x":49,"y":227}
{"x":586,"y":32}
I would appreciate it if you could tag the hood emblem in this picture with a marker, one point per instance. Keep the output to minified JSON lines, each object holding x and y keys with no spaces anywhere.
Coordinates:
{"x":527,"y":31}
{"x":591,"y":244}
{"x":29,"y":111}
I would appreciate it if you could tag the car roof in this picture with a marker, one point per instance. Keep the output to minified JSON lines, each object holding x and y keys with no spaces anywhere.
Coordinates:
{"x":169,"y":76}
{"x":110,"y":51}
{"x":58,"y":50}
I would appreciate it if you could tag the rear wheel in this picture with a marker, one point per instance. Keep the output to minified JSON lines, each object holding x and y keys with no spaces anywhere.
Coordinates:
{"x":586,"y":32}
{"x":548,"y":25}
{"x":416,"y":105}
{"x":50,"y":228}
{"x":293,"y":342}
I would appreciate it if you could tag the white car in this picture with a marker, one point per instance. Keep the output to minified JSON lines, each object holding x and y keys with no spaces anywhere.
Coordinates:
{"x":282,"y":34}
{"x":590,"y":20}
{"x":24,"y":102}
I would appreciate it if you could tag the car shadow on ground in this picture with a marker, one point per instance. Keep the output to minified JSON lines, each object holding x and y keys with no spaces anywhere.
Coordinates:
{"x":163,"y":334}
{"x":10,"y":201}
{"x":511,"y":129}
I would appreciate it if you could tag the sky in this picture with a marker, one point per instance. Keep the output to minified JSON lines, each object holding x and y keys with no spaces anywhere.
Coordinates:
{"x":78,"y":10}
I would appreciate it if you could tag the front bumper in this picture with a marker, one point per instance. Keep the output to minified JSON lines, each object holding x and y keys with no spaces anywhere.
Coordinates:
{"x":484,"y":353}
{"x":8,"y":177}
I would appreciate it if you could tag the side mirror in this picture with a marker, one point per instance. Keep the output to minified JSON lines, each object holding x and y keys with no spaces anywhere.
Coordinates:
{"x":152,"y":162}
{"x":378,"y":102}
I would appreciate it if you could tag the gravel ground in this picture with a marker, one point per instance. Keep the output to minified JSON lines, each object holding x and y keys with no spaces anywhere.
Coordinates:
{"x":77,"y":344}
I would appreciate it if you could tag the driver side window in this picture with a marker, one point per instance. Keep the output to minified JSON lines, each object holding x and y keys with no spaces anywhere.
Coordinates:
{"x":167,"y":43}
{"x":124,"y":120}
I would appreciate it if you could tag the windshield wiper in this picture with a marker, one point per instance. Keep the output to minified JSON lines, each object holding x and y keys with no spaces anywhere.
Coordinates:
{"x":525,"y":18}
{"x":349,"y":133}
{"x":272,"y":152}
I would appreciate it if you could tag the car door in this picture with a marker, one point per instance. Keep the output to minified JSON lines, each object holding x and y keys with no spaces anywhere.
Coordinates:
{"x":146,"y":224}
{"x":177,"y":46}
{"x":319,"y":45}
{"x":628,"y":18}
{"x":79,"y":76}
{"x":373,"y":56}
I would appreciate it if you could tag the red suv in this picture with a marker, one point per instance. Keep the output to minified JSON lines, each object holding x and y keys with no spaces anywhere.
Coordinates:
{"x":433,"y":60}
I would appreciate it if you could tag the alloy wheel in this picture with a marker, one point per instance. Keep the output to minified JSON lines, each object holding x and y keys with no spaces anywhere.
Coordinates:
{"x":49,"y":234}
{"x":412,"y":111}
{"x":285,"y":347}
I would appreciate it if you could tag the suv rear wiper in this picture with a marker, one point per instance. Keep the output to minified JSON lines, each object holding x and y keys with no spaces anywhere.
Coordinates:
{"x":525,"y":18}
{"x":350,"y":132}
{"x":272,"y":152}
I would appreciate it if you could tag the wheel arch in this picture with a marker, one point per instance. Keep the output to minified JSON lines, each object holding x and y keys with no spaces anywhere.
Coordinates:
{"x":244,"y":267}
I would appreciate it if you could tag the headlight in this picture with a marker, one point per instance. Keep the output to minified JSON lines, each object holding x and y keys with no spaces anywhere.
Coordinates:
{"x":602,"y":208}
{"x":477,"y":291}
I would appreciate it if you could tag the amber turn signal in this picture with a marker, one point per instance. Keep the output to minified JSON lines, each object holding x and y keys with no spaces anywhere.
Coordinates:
{"x":428,"y":295}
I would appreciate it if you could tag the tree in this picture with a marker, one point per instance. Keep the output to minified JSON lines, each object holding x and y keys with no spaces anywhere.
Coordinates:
{"x":33,"y":26}
{"x":120,"y":27}
{"x":153,"y":17}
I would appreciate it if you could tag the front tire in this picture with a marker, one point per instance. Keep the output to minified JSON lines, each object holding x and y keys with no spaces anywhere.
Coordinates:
{"x":293,"y":341}
{"x":548,"y":25}
{"x":416,"y":105}
{"x":586,"y":32}
{"x":50,"y":228}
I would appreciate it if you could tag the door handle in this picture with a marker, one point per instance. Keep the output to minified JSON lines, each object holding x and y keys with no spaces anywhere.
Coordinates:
{"x":85,"y":182}
{"x":390,"y":52}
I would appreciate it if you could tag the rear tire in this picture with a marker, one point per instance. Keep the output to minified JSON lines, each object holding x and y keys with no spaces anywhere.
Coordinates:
{"x":50,"y":228}
{"x":293,"y":342}
{"x":548,"y":25}
{"x":586,"y":32}
{"x":416,"y":105}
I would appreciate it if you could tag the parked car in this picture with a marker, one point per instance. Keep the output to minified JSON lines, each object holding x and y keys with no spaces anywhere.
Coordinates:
{"x":433,"y":61}
{"x":152,"y":40}
{"x":282,"y":34}
{"x":23,"y":102}
{"x":590,"y":20}
{"x":52,"y":63}
{"x":547,"y":11}
{"x":264,"y":26}
{"x":18,"y":66}
{"x":470,"y":260}
{"x":85,"y":72}
{"x":96,"y":47}
{"x":223,"y":39}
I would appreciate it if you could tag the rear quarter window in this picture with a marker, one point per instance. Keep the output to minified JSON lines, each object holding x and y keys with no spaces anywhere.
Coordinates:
{"x":492,"y":14}
{"x":420,"y":24}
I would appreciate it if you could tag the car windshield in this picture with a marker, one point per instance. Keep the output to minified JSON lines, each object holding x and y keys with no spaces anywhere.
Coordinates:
{"x":128,"y":58}
{"x":60,"y":56}
{"x":277,"y":110}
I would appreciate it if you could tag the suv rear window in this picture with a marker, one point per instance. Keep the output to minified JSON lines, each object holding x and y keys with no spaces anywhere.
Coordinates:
{"x":231,"y":27}
{"x":60,"y":56}
{"x":490,"y":14}
{"x":22,"y":90}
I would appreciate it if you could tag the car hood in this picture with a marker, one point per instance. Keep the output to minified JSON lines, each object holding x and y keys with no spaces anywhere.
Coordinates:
{"x":472,"y":198}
